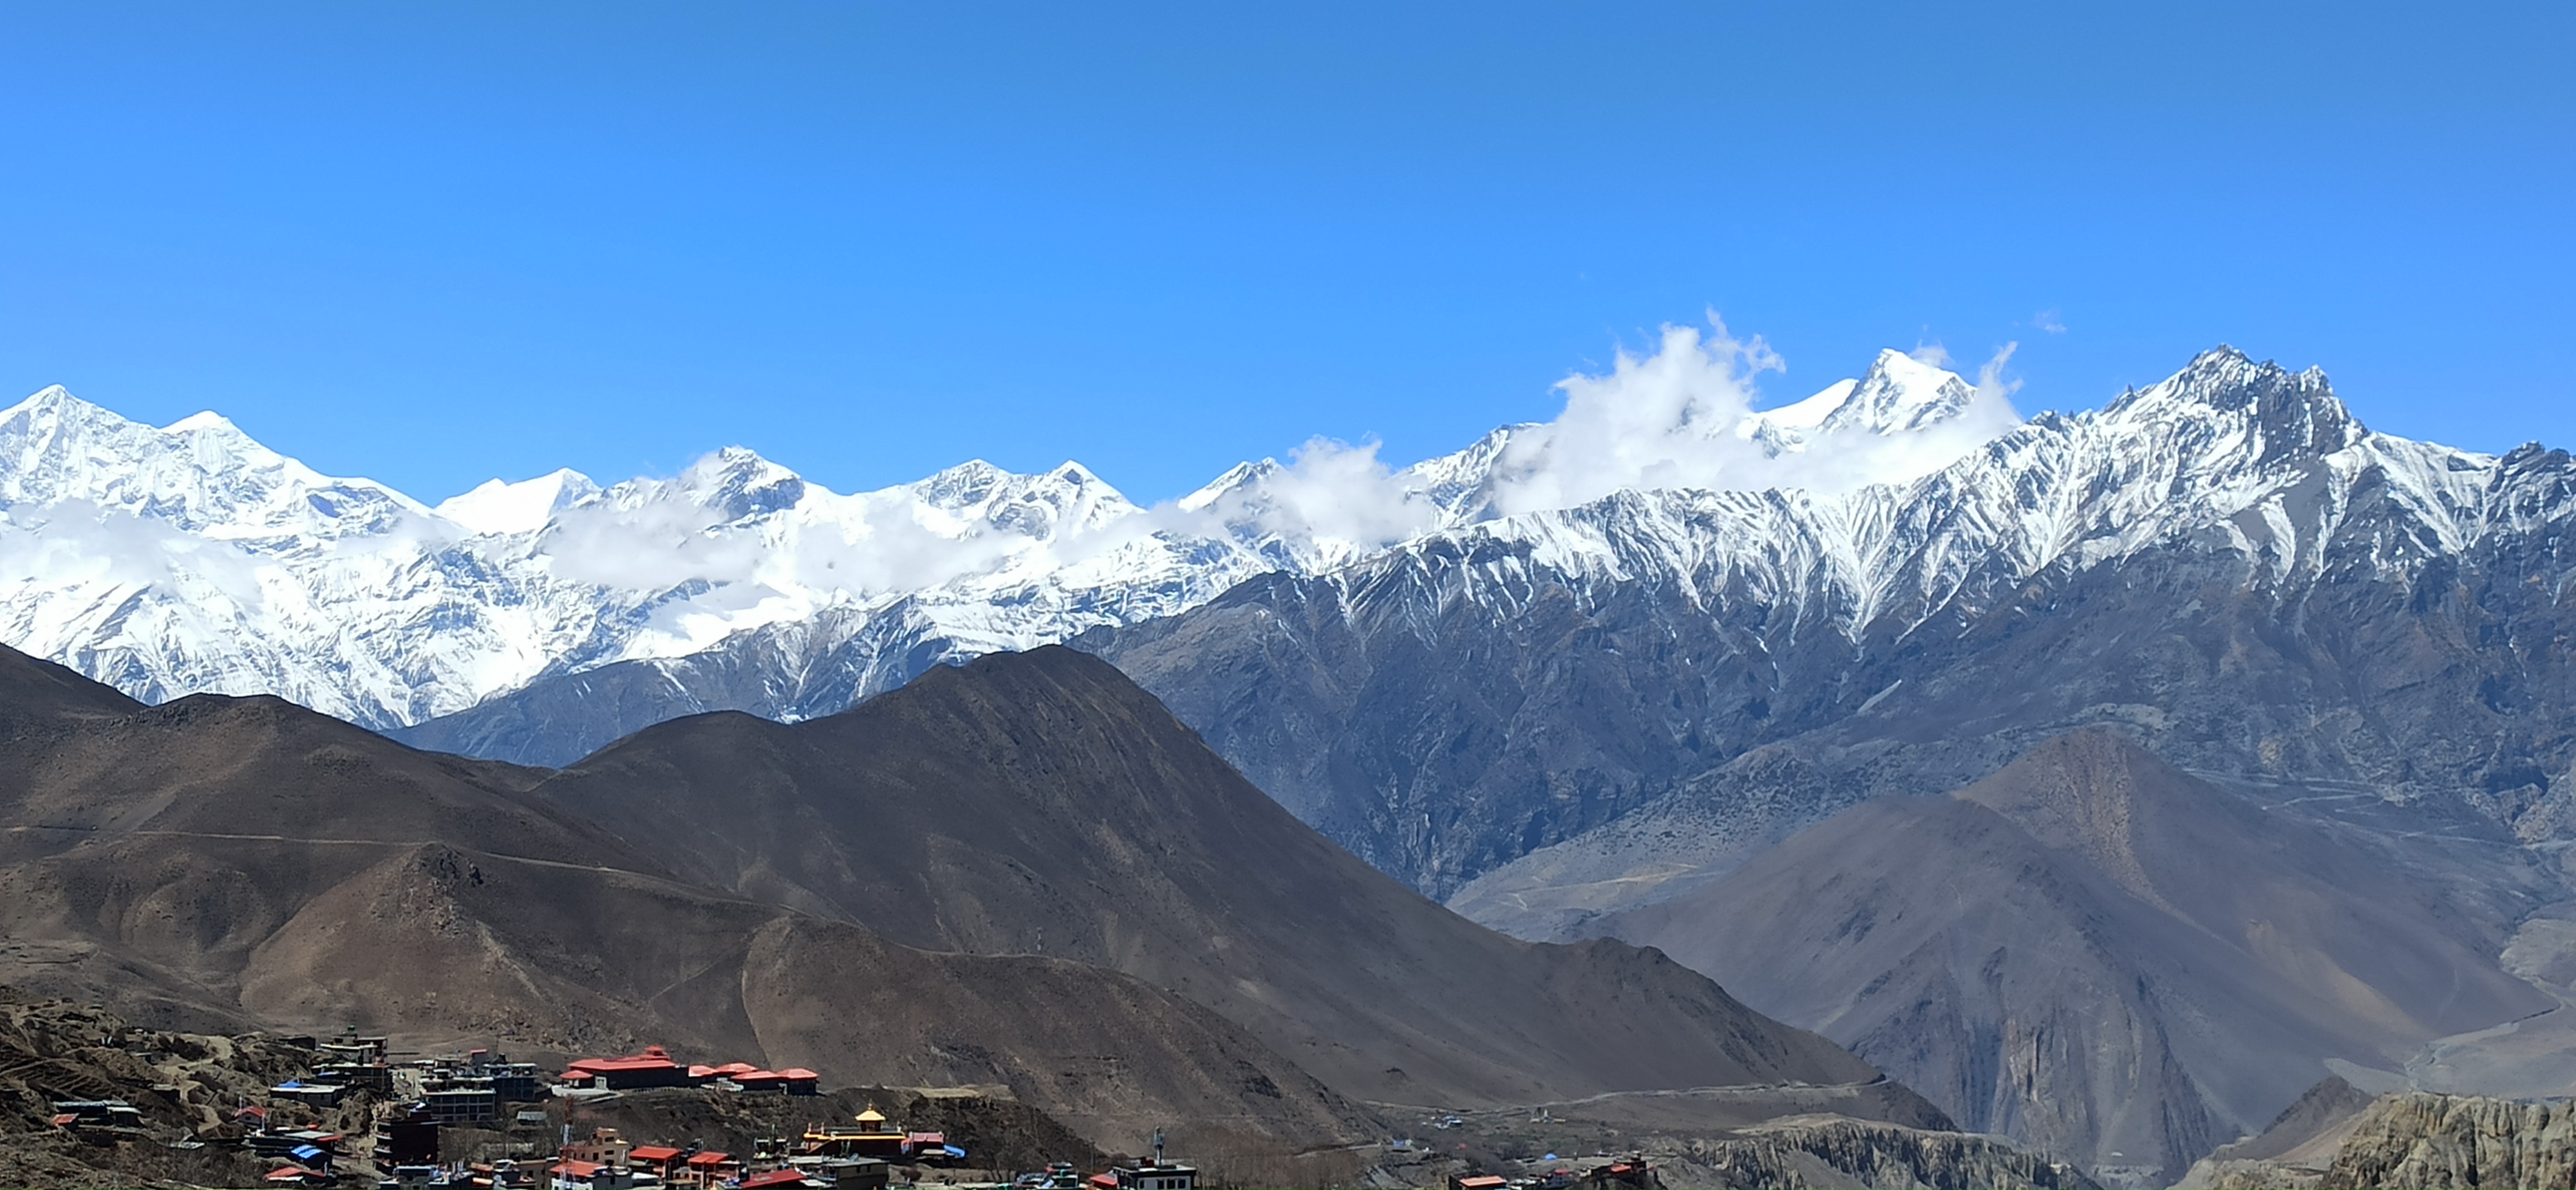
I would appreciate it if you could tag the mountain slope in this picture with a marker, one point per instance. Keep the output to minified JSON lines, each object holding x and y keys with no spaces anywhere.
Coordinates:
{"x":2226,"y":561}
{"x":1040,"y":803}
{"x":31,"y":689}
{"x":2093,"y":952}
{"x":239,"y":862}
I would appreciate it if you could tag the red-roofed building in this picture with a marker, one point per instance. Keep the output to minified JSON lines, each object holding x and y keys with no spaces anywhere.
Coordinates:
{"x":1636,"y":1175}
{"x":658,"y":1158}
{"x":760,"y":1080}
{"x":652,"y":1068}
{"x":730,"y":1069}
{"x":297,"y":1175}
{"x":1105,"y":1181}
{"x":775,"y":1177}
{"x":1479,"y":1182}
{"x":602,"y":1147}
{"x":707,"y":1169}
{"x":801,"y":1081}
{"x":66,"y":1119}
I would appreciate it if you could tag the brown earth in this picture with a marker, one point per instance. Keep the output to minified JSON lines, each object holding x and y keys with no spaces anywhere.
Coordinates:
{"x":1021,"y":873}
{"x":220,"y":863}
{"x":184,"y":1084}
{"x":1040,"y":803}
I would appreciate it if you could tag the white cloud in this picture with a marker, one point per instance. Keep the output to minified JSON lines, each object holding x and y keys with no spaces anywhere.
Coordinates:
{"x":1340,"y":492}
{"x":1991,"y":385}
{"x":1664,"y":420}
{"x":2048,"y":321}
{"x":79,"y":543}
{"x":1680,"y":416}
{"x":659,"y":545}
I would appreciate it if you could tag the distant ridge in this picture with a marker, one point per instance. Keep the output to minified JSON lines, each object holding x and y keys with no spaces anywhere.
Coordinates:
{"x":190,"y":558}
{"x":2093,"y":951}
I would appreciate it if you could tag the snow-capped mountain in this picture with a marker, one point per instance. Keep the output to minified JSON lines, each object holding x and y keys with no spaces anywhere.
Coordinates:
{"x":2226,"y":561}
{"x":189,"y":558}
{"x":1552,"y":719}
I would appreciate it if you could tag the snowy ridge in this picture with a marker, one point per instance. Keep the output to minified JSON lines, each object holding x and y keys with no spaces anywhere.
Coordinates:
{"x":2266,"y":462}
{"x":190,"y":558}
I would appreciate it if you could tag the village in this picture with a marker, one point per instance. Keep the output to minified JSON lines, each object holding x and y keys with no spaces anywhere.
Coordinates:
{"x":264,"y":1109}
{"x":357,"y":1117}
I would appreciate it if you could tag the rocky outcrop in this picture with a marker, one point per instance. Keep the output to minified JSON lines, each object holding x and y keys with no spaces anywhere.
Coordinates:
{"x":1839,"y":1152}
{"x":2438,"y":1142}
{"x":2414,"y":1139}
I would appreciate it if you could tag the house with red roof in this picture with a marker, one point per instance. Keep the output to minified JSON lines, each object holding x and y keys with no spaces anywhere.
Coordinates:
{"x":660,"y":1160}
{"x":652,"y":1068}
{"x":708,"y":1168}
{"x":777,"y":1177}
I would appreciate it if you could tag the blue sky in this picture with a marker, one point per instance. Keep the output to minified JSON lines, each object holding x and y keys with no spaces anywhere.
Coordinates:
{"x":434,"y":244}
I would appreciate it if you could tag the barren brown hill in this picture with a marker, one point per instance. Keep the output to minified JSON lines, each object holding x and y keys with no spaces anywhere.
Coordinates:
{"x":2093,"y":952}
{"x":226,"y":862}
{"x":1040,"y":803}
{"x":39,"y":690}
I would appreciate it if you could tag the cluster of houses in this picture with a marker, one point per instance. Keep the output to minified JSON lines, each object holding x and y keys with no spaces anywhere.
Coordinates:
{"x":470,"y":1090}
{"x":608,"y":1161}
{"x":1630,"y":1173}
{"x":422,"y":1097}
{"x":859,"y":1157}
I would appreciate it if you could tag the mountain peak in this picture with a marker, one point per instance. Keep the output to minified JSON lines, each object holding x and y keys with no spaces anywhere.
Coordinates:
{"x":203,"y":419}
{"x":1239,"y":477}
{"x":55,"y":400}
{"x":741,"y":483}
{"x":496,"y":506}
{"x":2294,"y":412}
{"x":1900,"y":393}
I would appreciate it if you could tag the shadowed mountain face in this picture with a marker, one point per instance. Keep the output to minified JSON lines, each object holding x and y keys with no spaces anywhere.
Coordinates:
{"x":2094,"y":952}
{"x":33,"y":690}
{"x":1041,"y":803}
{"x":1647,"y":690}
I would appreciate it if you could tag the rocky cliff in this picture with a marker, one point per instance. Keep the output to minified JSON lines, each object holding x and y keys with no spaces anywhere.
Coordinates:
{"x":2443,"y":1141}
{"x":2413,"y":1139}
{"x":1827,"y":1152}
